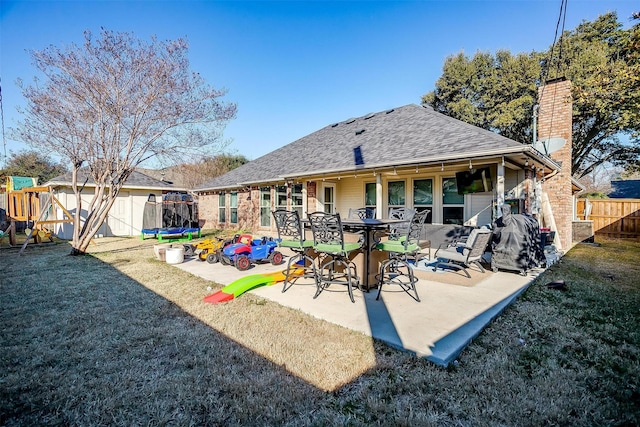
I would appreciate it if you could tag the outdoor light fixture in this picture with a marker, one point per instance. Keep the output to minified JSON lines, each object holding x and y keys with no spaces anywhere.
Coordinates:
{"x":442,"y":167}
{"x":374,"y":173}
{"x":394,"y":171}
{"x":470,"y":165}
{"x":526,"y":162}
{"x":416,"y":169}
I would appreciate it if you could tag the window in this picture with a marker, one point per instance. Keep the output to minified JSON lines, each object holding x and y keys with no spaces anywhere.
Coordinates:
{"x":328,"y":201}
{"x":233,"y":208}
{"x":222,"y":208}
{"x":370,"y":195}
{"x":296,"y":198}
{"x":265,"y":206}
{"x":281,"y":197}
{"x":423,"y":196}
{"x":396,"y":194}
{"x":453,"y":203}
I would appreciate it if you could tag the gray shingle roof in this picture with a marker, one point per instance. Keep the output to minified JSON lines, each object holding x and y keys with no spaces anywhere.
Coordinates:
{"x":136,"y":180}
{"x":404,"y":135}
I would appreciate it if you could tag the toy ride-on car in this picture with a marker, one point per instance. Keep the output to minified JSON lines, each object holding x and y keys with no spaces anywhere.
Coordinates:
{"x":249,"y":250}
{"x":210,"y":249}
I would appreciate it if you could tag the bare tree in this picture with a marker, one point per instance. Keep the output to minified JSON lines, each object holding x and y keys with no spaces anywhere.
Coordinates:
{"x":196,"y":173}
{"x":113,"y":103}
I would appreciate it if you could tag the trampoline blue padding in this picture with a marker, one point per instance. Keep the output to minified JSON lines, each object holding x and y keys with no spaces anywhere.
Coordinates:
{"x":173,"y":233}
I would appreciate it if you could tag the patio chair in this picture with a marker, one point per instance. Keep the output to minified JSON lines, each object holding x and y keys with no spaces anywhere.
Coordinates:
{"x":362,"y":213}
{"x":291,"y":236}
{"x":397,"y":270}
{"x":400,"y":229}
{"x":461,"y":255}
{"x":334,"y":265}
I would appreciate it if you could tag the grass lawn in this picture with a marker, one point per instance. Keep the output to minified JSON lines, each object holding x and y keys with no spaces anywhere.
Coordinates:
{"x":118,"y":338}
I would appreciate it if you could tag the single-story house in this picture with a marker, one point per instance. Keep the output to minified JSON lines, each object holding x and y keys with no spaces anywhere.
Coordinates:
{"x":408,"y":156}
{"x":125,"y":217}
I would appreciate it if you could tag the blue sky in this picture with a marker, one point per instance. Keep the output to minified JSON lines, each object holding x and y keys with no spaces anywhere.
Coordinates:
{"x":294,"y":67}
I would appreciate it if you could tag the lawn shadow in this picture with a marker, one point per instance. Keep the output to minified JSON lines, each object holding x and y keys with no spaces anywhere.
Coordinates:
{"x":85,"y":344}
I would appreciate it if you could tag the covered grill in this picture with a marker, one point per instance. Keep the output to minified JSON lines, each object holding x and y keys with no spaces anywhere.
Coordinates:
{"x":516,"y":243}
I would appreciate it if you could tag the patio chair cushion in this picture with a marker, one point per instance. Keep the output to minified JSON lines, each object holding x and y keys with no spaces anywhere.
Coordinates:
{"x":454,"y":253}
{"x":397,"y":246}
{"x":295,"y":244}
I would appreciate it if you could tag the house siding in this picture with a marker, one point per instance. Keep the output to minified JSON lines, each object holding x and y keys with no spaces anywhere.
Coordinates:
{"x":478,"y":208}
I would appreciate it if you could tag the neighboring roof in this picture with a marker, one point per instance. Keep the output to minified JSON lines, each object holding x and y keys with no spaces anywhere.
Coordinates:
{"x":627,"y":189}
{"x":137,"y":180}
{"x":407,"y":135}
{"x":168,"y":175}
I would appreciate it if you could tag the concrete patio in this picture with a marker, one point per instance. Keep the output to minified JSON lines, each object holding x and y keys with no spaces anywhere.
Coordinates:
{"x":438,"y":328}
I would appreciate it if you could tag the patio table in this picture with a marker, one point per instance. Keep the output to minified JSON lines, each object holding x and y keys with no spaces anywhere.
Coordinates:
{"x":369,"y":226}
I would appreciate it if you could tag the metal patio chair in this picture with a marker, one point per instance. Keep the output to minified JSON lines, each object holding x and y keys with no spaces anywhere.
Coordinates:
{"x":362,"y":213}
{"x":291,"y":236}
{"x":403,"y":250}
{"x":461,"y":255}
{"x":398,"y":230}
{"x":334,"y":265}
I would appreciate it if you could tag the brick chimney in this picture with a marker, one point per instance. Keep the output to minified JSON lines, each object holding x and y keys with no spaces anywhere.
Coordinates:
{"x":555,"y":121}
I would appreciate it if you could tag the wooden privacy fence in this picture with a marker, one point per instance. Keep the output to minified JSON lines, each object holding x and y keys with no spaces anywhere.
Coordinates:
{"x":614,"y":218}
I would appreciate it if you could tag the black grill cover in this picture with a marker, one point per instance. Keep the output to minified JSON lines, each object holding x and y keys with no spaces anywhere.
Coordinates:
{"x":516,"y":242}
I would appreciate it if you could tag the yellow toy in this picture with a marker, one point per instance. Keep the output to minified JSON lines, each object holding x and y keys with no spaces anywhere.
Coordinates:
{"x":210,"y":249}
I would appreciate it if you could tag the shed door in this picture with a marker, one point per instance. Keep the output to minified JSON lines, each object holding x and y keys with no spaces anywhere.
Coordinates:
{"x":120,"y":216}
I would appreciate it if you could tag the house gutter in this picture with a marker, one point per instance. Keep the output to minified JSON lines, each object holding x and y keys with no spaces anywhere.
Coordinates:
{"x":525,"y":149}
{"x":124,"y":187}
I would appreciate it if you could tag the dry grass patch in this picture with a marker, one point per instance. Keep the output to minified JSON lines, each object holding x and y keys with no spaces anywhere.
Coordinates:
{"x":117,"y":338}
{"x":277,"y":333}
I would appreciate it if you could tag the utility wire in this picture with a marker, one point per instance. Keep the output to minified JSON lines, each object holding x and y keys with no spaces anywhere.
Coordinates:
{"x":4,"y":140}
{"x":544,"y":72}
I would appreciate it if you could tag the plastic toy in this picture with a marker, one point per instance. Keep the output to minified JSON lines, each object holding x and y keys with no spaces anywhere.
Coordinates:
{"x":247,"y":283}
{"x":249,"y":250}
{"x":210,"y":249}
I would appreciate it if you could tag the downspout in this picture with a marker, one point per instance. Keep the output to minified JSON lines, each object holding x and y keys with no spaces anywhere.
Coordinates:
{"x":536,"y":107}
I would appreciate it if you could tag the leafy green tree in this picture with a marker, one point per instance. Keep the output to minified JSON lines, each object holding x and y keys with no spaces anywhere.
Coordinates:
{"x":602,"y":61}
{"x":33,"y":164}
{"x":112,"y":104}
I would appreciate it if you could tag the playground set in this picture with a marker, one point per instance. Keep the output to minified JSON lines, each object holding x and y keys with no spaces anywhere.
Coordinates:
{"x":174,"y":218}
{"x":33,"y":205}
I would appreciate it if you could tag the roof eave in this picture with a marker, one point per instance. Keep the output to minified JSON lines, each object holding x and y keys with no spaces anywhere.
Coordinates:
{"x":124,"y":187}
{"x":524,"y":149}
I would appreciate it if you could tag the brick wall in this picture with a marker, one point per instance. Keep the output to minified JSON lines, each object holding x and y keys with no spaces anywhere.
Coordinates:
{"x":555,"y":120}
{"x":208,"y":210}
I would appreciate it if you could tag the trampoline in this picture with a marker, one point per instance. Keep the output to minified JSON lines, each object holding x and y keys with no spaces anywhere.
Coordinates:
{"x":174,"y":218}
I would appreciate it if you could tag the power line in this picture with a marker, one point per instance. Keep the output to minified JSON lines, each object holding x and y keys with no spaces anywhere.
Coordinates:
{"x":544,"y":72}
{"x":4,"y":140}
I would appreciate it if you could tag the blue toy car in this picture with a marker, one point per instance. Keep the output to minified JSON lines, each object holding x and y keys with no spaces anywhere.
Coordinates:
{"x":249,"y":250}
